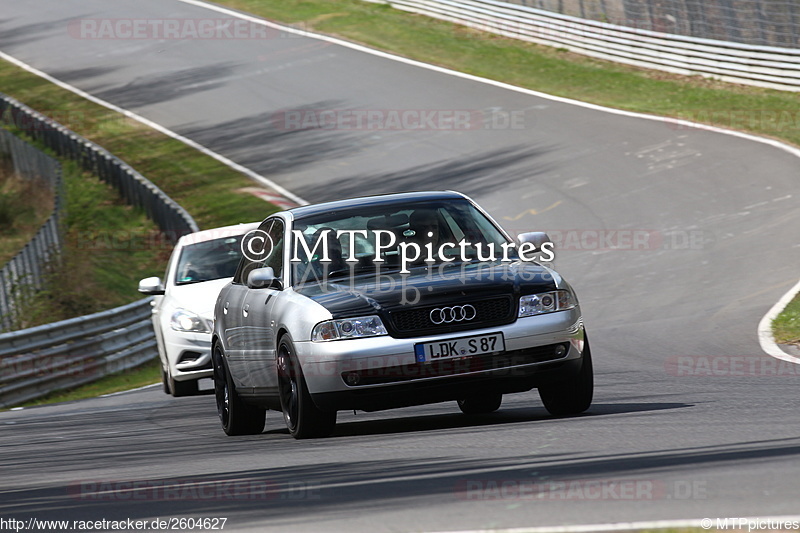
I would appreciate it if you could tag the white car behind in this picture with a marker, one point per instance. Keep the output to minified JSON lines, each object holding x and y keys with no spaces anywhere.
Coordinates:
{"x":183,"y":308}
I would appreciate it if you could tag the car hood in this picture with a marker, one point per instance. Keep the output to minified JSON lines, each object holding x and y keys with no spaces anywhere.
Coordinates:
{"x":391,"y":291}
{"x":197,"y":297}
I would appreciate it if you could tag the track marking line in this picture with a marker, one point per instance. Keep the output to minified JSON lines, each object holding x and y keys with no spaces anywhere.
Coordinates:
{"x":765,"y":337}
{"x":158,"y":127}
{"x":110,"y":394}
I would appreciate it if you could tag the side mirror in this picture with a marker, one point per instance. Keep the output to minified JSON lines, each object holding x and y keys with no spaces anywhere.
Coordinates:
{"x":151,"y":286}
{"x":263,"y":278}
{"x":538,"y":238}
{"x":543,"y":245}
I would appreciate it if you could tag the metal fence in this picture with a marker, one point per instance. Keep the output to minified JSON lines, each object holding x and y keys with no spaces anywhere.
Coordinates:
{"x":135,"y":189}
{"x":37,"y":361}
{"x":762,"y":66}
{"x":754,"y":22}
{"x":25,"y":272}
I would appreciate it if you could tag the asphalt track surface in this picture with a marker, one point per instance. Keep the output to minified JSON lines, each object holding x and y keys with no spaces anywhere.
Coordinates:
{"x":715,"y":434}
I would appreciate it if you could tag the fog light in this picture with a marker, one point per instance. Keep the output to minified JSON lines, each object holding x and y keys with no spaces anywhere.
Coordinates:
{"x":352,"y":379}
{"x":560,"y":350}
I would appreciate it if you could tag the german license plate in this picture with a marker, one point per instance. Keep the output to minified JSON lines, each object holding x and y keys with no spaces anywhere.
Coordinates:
{"x":460,"y":347}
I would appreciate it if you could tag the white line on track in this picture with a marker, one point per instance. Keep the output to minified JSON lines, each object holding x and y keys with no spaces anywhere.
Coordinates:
{"x":764,"y":331}
{"x":158,"y":127}
{"x":765,"y":328}
{"x":110,"y":394}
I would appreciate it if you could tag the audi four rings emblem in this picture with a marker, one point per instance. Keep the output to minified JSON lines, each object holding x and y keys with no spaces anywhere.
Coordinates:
{"x":457,"y":313}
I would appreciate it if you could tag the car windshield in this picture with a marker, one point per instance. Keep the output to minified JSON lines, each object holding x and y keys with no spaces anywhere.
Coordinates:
{"x":208,"y":260}
{"x":442,"y":231}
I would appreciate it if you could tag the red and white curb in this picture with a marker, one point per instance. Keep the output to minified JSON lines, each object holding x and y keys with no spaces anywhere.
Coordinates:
{"x":274,"y":198}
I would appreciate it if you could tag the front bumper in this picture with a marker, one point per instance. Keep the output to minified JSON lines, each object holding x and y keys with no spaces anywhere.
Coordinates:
{"x":389,"y":376}
{"x":189,"y":355}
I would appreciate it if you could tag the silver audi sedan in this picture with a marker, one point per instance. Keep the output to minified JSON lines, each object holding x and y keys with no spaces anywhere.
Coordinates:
{"x":393,"y":301}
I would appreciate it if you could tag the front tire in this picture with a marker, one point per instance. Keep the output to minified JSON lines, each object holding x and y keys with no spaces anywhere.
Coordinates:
{"x":481,"y":404}
{"x":574,"y":396}
{"x":182,"y":388}
{"x":237,"y":417}
{"x":303,"y":418}
{"x":165,"y":381}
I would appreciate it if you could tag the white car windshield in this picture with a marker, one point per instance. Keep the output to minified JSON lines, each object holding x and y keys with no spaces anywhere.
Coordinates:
{"x":208,"y":260}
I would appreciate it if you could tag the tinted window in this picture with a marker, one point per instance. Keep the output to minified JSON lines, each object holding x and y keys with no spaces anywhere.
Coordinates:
{"x":434,"y":223}
{"x":268,"y":251}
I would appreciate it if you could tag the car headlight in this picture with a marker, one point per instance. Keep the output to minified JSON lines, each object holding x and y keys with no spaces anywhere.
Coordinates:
{"x":185,"y":320}
{"x":546,"y":302}
{"x":348,"y":328}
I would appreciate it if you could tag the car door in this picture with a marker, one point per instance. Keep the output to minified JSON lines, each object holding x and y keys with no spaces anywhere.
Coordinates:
{"x":257,"y":315}
{"x":234,"y":328}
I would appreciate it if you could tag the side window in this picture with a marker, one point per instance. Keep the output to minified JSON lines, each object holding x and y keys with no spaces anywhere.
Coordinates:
{"x":268,"y":252}
{"x":274,"y":257}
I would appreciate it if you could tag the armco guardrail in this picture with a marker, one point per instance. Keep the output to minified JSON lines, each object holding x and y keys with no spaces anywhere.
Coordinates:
{"x":757,"y":22}
{"x":764,"y":66}
{"x":24,"y":273}
{"x":39,"y":360}
{"x":137,"y":190}
{"x":65,"y":354}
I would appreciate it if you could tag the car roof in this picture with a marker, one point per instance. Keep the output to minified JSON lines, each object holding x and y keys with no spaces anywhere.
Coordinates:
{"x":373,"y":201}
{"x":217,"y":233}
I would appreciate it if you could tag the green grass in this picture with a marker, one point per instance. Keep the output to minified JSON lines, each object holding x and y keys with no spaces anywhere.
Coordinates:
{"x":24,"y":206}
{"x":209,"y":190}
{"x":109,"y":244}
{"x":786,"y":326}
{"x":108,"y":248}
{"x":145,"y":374}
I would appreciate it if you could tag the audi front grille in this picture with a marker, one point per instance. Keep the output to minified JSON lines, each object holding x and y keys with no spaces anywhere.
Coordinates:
{"x":449,"y":317}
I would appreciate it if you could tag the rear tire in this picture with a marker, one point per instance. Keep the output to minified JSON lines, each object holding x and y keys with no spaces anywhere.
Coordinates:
{"x":481,"y":404}
{"x":237,"y":417}
{"x":574,"y":396}
{"x":303,"y":418}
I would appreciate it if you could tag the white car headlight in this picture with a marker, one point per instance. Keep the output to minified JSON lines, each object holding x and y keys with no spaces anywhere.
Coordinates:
{"x":348,"y":328}
{"x":185,"y":320}
{"x":546,"y":302}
